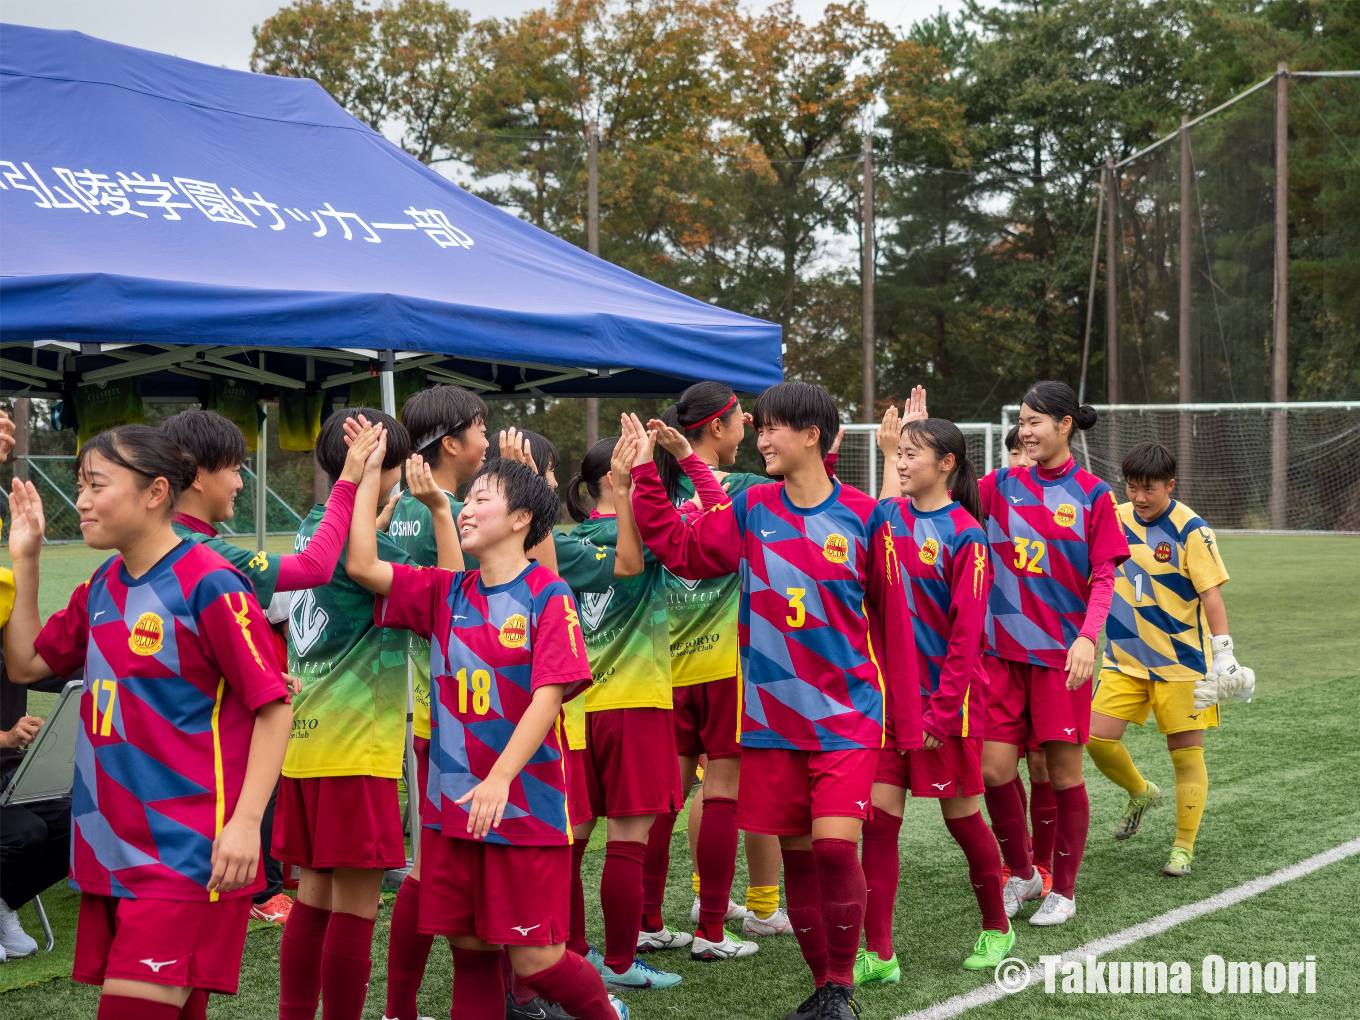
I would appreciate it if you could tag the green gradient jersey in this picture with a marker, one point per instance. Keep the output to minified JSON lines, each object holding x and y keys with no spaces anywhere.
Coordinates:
{"x":261,"y":568}
{"x":703,"y":614}
{"x":588,"y":569}
{"x":412,"y":531}
{"x":350,"y":719}
{"x":627,"y":639}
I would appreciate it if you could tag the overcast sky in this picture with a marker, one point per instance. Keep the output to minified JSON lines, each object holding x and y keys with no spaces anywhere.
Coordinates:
{"x":219,"y":31}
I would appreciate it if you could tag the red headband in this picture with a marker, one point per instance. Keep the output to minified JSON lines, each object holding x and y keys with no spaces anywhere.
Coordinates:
{"x":716,"y":414}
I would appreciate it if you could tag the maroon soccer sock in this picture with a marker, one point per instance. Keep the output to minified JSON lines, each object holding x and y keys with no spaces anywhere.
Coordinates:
{"x":478,"y":990}
{"x":843,"y":899}
{"x":717,"y":863}
{"x":576,"y":940}
{"x":654,"y":868}
{"x":125,"y":1007}
{"x":195,"y":1006}
{"x":1019,"y":785}
{"x":984,"y":867}
{"x":1043,"y":817}
{"x":574,"y":985}
{"x":1008,"y":822}
{"x":407,"y":952}
{"x":1074,"y":820}
{"x":346,"y":960}
{"x":521,"y":993}
{"x":304,"y":936}
{"x":621,"y":901}
{"x":882,"y":865}
{"x":803,"y":890}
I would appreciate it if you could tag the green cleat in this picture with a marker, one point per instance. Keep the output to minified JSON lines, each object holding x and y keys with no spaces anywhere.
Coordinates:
{"x":869,"y":969}
{"x":1179,"y":865}
{"x":990,"y":949}
{"x":1135,"y":809}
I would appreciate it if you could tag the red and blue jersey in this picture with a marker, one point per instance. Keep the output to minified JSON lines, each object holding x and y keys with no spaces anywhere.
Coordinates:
{"x":177,"y":662}
{"x":823,"y":608}
{"x":491,"y":648}
{"x":1056,"y":540}
{"x":945,"y":559}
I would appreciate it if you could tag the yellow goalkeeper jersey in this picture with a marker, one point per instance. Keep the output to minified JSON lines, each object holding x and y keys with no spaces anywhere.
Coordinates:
{"x":1157,"y":627}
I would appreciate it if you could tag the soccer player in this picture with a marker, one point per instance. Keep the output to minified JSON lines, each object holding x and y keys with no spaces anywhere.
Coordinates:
{"x":506,"y":649}
{"x":707,"y":422}
{"x":822,"y":605}
{"x":632,"y":773}
{"x":943,"y":552}
{"x":1055,"y":543}
{"x":183,"y":723}
{"x":1167,"y":633}
{"x":337,"y":816}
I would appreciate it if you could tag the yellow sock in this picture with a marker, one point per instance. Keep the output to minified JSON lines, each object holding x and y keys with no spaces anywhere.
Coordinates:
{"x":762,"y":900}
{"x":1192,"y":789}
{"x":695,"y":882}
{"x":1112,"y":758}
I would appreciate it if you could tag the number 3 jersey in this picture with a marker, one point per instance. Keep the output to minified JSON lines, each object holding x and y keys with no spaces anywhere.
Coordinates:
{"x":177,"y":662}
{"x":824,"y":623}
{"x":1052,"y":533}
{"x":491,"y":648}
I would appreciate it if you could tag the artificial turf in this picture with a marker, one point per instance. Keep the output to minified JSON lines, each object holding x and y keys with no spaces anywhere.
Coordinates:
{"x":1284,"y":775}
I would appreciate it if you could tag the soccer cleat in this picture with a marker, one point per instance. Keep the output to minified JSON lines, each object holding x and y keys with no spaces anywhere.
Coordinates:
{"x":537,"y":1008}
{"x":1005,"y":872}
{"x":809,"y":1009}
{"x":637,"y":977}
{"x":776,"y":924}
{"x":14,"y":940}
{"x":838,"y":1003}
{"x":1047,"y":877}
{"x":871,"y":969}
{"x":620,"y":1007}
{"x":735,"y":911}
{"x":990,"y":949}
{"x":1056,"y":909}
{"x":595,"y":958}
{"x":665,"y":938}
{"x":730,"y":948}
{"x":1179,"y":865}
{"x":1017,"y":890}
{"x":1135,"y":809}
{"x":274,"y":909}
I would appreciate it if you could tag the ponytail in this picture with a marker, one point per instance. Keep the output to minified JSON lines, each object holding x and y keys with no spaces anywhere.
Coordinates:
{"x":594,"y":466}
{"x":944,"y":437}
{"x":1057,"y":400}
{"x":700,"y":404}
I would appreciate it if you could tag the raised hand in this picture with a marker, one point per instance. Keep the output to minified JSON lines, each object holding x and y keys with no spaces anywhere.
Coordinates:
{"x":420,"y":480}
{"x":915,"y":409}
{"x":621,"y":464}
{"x":890,"y":432}
{"x":670,"y":439}
{"x":836,"y":443}
{"x":644,"y":440}
{"x":515,"y":446}
{"x":361,"y":443}
{"x":27,"y":522}
{"x":353,"y":426}
{"x":6,"y":436}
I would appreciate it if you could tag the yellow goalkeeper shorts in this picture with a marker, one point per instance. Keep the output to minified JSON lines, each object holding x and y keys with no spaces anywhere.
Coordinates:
{"x":1172,"y":701}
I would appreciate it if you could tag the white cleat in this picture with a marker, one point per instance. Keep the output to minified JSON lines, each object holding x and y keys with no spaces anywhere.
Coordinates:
{"x":650,"y":941}
{"x":14,"y":940}
{"x":735,"y":911}
{"x":728,"y":949}
{"x":1018,"y":890}
{"x":620,"y":1009}
{"x":776,"y":924}
{"x":1056,"y":909}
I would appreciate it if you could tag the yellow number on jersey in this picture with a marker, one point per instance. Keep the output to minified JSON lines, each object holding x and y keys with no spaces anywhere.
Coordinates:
{"x":481,"y":691}
{"x":799,"y":614}
{"x":1028,"y":554}
{"x":107,"y":728}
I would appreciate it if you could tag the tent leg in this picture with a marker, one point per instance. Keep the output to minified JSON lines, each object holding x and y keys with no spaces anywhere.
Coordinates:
{"x":261,"y":482}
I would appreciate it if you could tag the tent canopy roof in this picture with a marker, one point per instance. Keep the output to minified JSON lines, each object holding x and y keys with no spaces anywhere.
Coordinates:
{"x":156,"y":202}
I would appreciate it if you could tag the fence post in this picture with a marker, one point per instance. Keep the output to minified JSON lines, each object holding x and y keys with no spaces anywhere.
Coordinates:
{"x":1183,"y":422}
{"x":987,"y":451}
{"x":593,"y":246}
{"x":1279,"y":426}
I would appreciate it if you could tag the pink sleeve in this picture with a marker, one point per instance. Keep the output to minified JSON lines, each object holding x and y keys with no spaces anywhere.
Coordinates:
{"x":829,"y":463}
{"x":987,"y":490}
{"x":66,"y":634}
{"x":315,"y":565}
{"x":702,"y":545}
{"x":234,"y":628}
{"x":1109,"y":548}
{"x":890,"y":630}
{"x":967,"y":614}
{"x":709,"y":491}
{"x":411,"y":603}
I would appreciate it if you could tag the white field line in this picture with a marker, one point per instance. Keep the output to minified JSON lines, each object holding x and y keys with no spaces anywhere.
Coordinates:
{"x":957,"y":1004}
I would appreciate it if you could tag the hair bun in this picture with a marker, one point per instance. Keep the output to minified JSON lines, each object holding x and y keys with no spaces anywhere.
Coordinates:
{"x":1086,"y":417}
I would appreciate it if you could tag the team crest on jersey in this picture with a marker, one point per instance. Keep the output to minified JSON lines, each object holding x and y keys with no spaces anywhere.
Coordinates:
{"x":1065,"y":516}
{"x":930,"y":551}
{"x":148,"y":635}
{"x":836,"y":548}
{"x":1162,"y":554}
{"x":593,"y":605}
{"x":515,"y":631}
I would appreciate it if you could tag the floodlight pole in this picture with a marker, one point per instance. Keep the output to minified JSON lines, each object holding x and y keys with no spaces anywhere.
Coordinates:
{"x":593,"y":246}
{"x":1111,"y":306}
{"x":1279,"y":426}
{"x":261,"y":467}
{"x":867,"y":283}
{"x":1184,"y":472}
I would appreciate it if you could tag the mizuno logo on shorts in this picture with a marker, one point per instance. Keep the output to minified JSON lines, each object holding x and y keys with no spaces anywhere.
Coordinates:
{"x":525,"y":931}
{"x":156,"y":965}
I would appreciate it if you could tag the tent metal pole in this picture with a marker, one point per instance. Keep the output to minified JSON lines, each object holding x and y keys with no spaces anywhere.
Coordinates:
{"x":261,"y":482}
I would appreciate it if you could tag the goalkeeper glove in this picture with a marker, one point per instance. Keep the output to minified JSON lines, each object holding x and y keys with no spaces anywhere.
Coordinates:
{"x":1226,"y":678}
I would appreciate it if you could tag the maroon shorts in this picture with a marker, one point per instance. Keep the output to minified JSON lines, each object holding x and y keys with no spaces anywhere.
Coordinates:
{"x":505,"y":895}
{"x":338,"y":822}
{"x":578,"y":793}
{"x":1030,"y":705}
{"x":180,"y":943}
{"x":894,"y":768}
{"x":421,"y":745}
{"x":631,"y":763}
{"x":706,"y":718}
{"x":782,"y":791}
{"x":954,"y":769}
